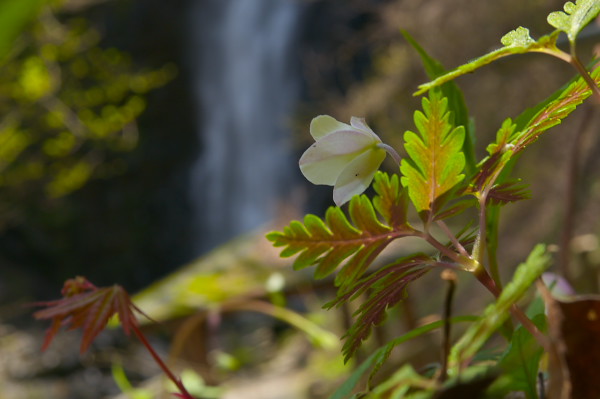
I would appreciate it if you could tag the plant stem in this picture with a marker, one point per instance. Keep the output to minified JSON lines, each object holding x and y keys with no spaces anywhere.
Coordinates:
{"x":160,"y":362}
{"x":452,"y":238}
{"x":390,"y":150}
{"x":489,"y":283}
{"x":450,"y":277}
{"x":586,"y":76}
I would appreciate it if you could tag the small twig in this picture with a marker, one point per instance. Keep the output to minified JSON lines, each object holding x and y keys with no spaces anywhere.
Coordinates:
{"x":452,"y":238}
{"x":450,"y":277}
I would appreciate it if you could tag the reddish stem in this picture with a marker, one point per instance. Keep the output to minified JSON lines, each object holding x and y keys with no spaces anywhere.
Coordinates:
{"x":185,"y":394}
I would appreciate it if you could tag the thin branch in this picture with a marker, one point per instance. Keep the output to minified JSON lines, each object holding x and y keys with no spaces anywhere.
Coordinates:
{"x":452,"y":238}
{"x":450,"y":277}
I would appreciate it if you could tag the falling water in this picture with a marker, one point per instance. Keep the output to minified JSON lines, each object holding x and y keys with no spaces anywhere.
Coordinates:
{"x":246,"y":85}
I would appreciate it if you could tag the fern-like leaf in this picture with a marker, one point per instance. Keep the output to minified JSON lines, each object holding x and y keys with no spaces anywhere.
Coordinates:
{"x":353,"y":242}
{"x":575,"y":17}
{"x":511,"y":140}
{"x":384,"y":288}
{"x":517,"y":41}
{"x":436,"y":161}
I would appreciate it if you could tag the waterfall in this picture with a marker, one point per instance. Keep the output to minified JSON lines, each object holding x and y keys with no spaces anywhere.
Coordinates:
{"x":246,"y":83}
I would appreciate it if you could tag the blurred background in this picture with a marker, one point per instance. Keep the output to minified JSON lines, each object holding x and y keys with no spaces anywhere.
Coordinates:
{"x":141,"y":139}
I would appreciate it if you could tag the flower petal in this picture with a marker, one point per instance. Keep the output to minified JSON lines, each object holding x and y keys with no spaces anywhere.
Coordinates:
{"x":357,"y":176}
{"x":323,"y":162}
{"x":361,"y":124}
{"x":322,"y":125}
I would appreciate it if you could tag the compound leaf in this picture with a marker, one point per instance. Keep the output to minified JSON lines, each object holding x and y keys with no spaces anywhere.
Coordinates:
{"x":512,"y":138}
{"x":436,"y":159}
{"x":384,"y":289}
{"x":353,"y":242}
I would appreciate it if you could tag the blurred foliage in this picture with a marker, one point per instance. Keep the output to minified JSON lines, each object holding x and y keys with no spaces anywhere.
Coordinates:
{"x":69,"y":108}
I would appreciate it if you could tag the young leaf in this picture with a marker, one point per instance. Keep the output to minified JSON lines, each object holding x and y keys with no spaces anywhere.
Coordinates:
{"x":356,"y":242}
{"x":385,"y":288}
{"x":497,"y":313}
{"x":512,"y":138}
{"x":517,"y":41}
{"x":575,"y":17}
{"x":87,"y":307}
{"x":436,"y":160}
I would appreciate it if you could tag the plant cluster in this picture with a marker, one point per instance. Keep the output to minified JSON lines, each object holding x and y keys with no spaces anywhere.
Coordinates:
{"x":440,"y":178}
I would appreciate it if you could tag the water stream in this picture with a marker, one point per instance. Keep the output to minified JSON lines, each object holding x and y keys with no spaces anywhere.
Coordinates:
{"x":247,"y":83}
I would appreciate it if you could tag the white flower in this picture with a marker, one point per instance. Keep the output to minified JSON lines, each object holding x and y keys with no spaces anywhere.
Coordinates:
{"x":343,"y":156}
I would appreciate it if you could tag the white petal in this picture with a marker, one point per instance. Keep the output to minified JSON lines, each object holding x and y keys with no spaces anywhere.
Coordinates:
{"x":357,"y":176}
{"x":324,"y":124}
{"x":361,"y":124}
{"x":324,"y":160}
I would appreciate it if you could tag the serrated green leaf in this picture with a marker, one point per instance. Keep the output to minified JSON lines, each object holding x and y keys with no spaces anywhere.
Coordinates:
{"x":351,"y":242}
{"x":517,"y":41}
{"x":513,"y":138}
{"x":456,"y":101}
{"x":436,"y":161}
{"x":575,"y":17}
{"x":497,"y":313}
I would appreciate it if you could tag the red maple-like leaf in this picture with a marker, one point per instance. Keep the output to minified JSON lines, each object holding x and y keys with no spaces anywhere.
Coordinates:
{"x":87,"y":307}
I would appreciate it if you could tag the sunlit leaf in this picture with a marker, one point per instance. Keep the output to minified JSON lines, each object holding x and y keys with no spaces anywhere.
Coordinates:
{"x":456,"y":101}
{"x":436,"y":160}
{"x":575,"y":17}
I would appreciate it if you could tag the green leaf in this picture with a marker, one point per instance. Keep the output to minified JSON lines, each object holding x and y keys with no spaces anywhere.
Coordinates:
{"x":353,"y":242}
{"x":520,"y":363}
{"x":513,"y":138}
{"x":456,"y":101}
{"x":378,"y":357}
{"x":517,"y":41}
{"x":436,"y":160}
{"x":497,"y":313}
{"x":575,"y":17}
